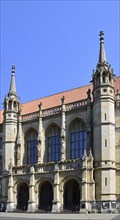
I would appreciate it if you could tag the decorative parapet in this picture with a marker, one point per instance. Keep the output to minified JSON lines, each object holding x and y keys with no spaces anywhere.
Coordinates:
{"x":30,"y":116}
{"x":75,"y":105}
{"x":52,"y":111}
{"x":21,"y":169}
{"x":55,"y":110}
{"x":48,"y":167}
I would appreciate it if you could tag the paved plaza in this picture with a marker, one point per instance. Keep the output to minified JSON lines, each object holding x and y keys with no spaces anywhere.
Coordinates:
{"x":27,"y":216}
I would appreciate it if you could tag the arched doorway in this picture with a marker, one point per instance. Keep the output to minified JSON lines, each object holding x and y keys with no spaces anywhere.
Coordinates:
{"x":72,"y":195}
{"x":45,"y":196}
{"x":23,"y":196}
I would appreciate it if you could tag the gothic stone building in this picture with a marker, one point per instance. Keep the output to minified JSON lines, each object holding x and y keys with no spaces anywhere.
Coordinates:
{"x":62,"y":152}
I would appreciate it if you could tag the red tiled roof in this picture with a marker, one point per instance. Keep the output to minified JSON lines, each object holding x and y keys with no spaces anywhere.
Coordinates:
{"x":1,"y":116}
{"x":55,"y":100}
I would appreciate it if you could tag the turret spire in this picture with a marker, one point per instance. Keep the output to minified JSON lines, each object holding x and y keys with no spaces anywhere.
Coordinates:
{"x":12,"y":90}
{"x":102,"y":56}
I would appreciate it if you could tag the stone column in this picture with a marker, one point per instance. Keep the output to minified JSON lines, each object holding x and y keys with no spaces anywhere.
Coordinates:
{"x":83,"y":202}
{"x":88,"y":121}
{"x":92,"y":179}
{"x":56,"y":200}
{"x":91,"y":185}
{"x":40,"y":136}
{"x":10,"y":202}
{"x":31,"y":202}
{"x":19,"y":137}
{"x":63,"y":133}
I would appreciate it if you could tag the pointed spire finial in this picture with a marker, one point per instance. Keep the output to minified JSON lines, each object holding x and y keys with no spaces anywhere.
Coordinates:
{"x":101,"y":36}
{"x":13,"y":69}
{"x":12,"y":90}
{"x":102,"y":56}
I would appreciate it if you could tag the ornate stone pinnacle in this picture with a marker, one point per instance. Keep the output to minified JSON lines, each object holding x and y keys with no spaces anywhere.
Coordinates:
{"x":88,"y":93}
{"x":40,"y":106}
{"x":19,"y":110}
{"x":63,"y":99}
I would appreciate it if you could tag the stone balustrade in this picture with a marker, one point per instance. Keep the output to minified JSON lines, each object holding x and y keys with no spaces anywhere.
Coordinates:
{"x":75,"y":105}
{"x":52,"y":111}
{"x":48,"y":167}
{"x":55,"y":110}
{"x":21,"y":169}
{"x":30,"y":116}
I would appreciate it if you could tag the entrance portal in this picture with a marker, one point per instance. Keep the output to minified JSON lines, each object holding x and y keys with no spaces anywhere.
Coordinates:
{"x":23,"y":196}
{"x":72,"y":195}
{"x":45,"y":196}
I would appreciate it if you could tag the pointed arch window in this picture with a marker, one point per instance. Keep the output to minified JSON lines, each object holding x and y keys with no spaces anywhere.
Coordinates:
{"x":104,"y":78}
{"x":10,"y":105}
{"x":78,"y":139}
{"x":31,"y":142}
{"x":98,"y":79}
{"x":53,"y":143}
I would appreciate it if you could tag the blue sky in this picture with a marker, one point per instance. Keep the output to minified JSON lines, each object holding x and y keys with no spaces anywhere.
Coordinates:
{"x":55,"y":44}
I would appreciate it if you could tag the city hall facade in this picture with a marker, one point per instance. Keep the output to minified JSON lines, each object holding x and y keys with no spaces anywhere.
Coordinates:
{"x":62,"y":152}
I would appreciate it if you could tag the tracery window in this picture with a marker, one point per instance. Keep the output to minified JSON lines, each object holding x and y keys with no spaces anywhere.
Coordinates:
{"x":53,"y":143}
{"x":78,"y":139}
{"x":31,"y":141}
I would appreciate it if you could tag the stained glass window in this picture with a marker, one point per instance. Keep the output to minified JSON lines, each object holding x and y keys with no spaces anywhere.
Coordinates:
{"x":78,"y":139}
{"x":54,"y":148}
{"x":32,"y":149}
{"x":53,"y":143}
{"x":31,"y":141}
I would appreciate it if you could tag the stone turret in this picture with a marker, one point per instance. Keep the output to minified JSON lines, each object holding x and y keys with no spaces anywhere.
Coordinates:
{"x":10,"y":138}
{"x":11,"y":112}
{"x":104,"y":129}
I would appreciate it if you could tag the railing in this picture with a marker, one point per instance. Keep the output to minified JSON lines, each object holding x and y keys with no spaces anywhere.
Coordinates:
{"x":75,"y":105}
{"x":30,"y":116}
{"x":48,"y":167}
{"x":55,"y":110}
{"x":23,"y":169}
{"x":52,"y":111}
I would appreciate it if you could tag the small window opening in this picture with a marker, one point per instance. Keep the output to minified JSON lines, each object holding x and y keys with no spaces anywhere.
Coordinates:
{"x":105,"y":142}
{"x":105,"y":116}
{"x":105,"y":181}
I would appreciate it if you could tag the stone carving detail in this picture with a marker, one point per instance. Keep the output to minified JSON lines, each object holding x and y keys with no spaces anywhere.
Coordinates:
{"x":39,"y":148}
